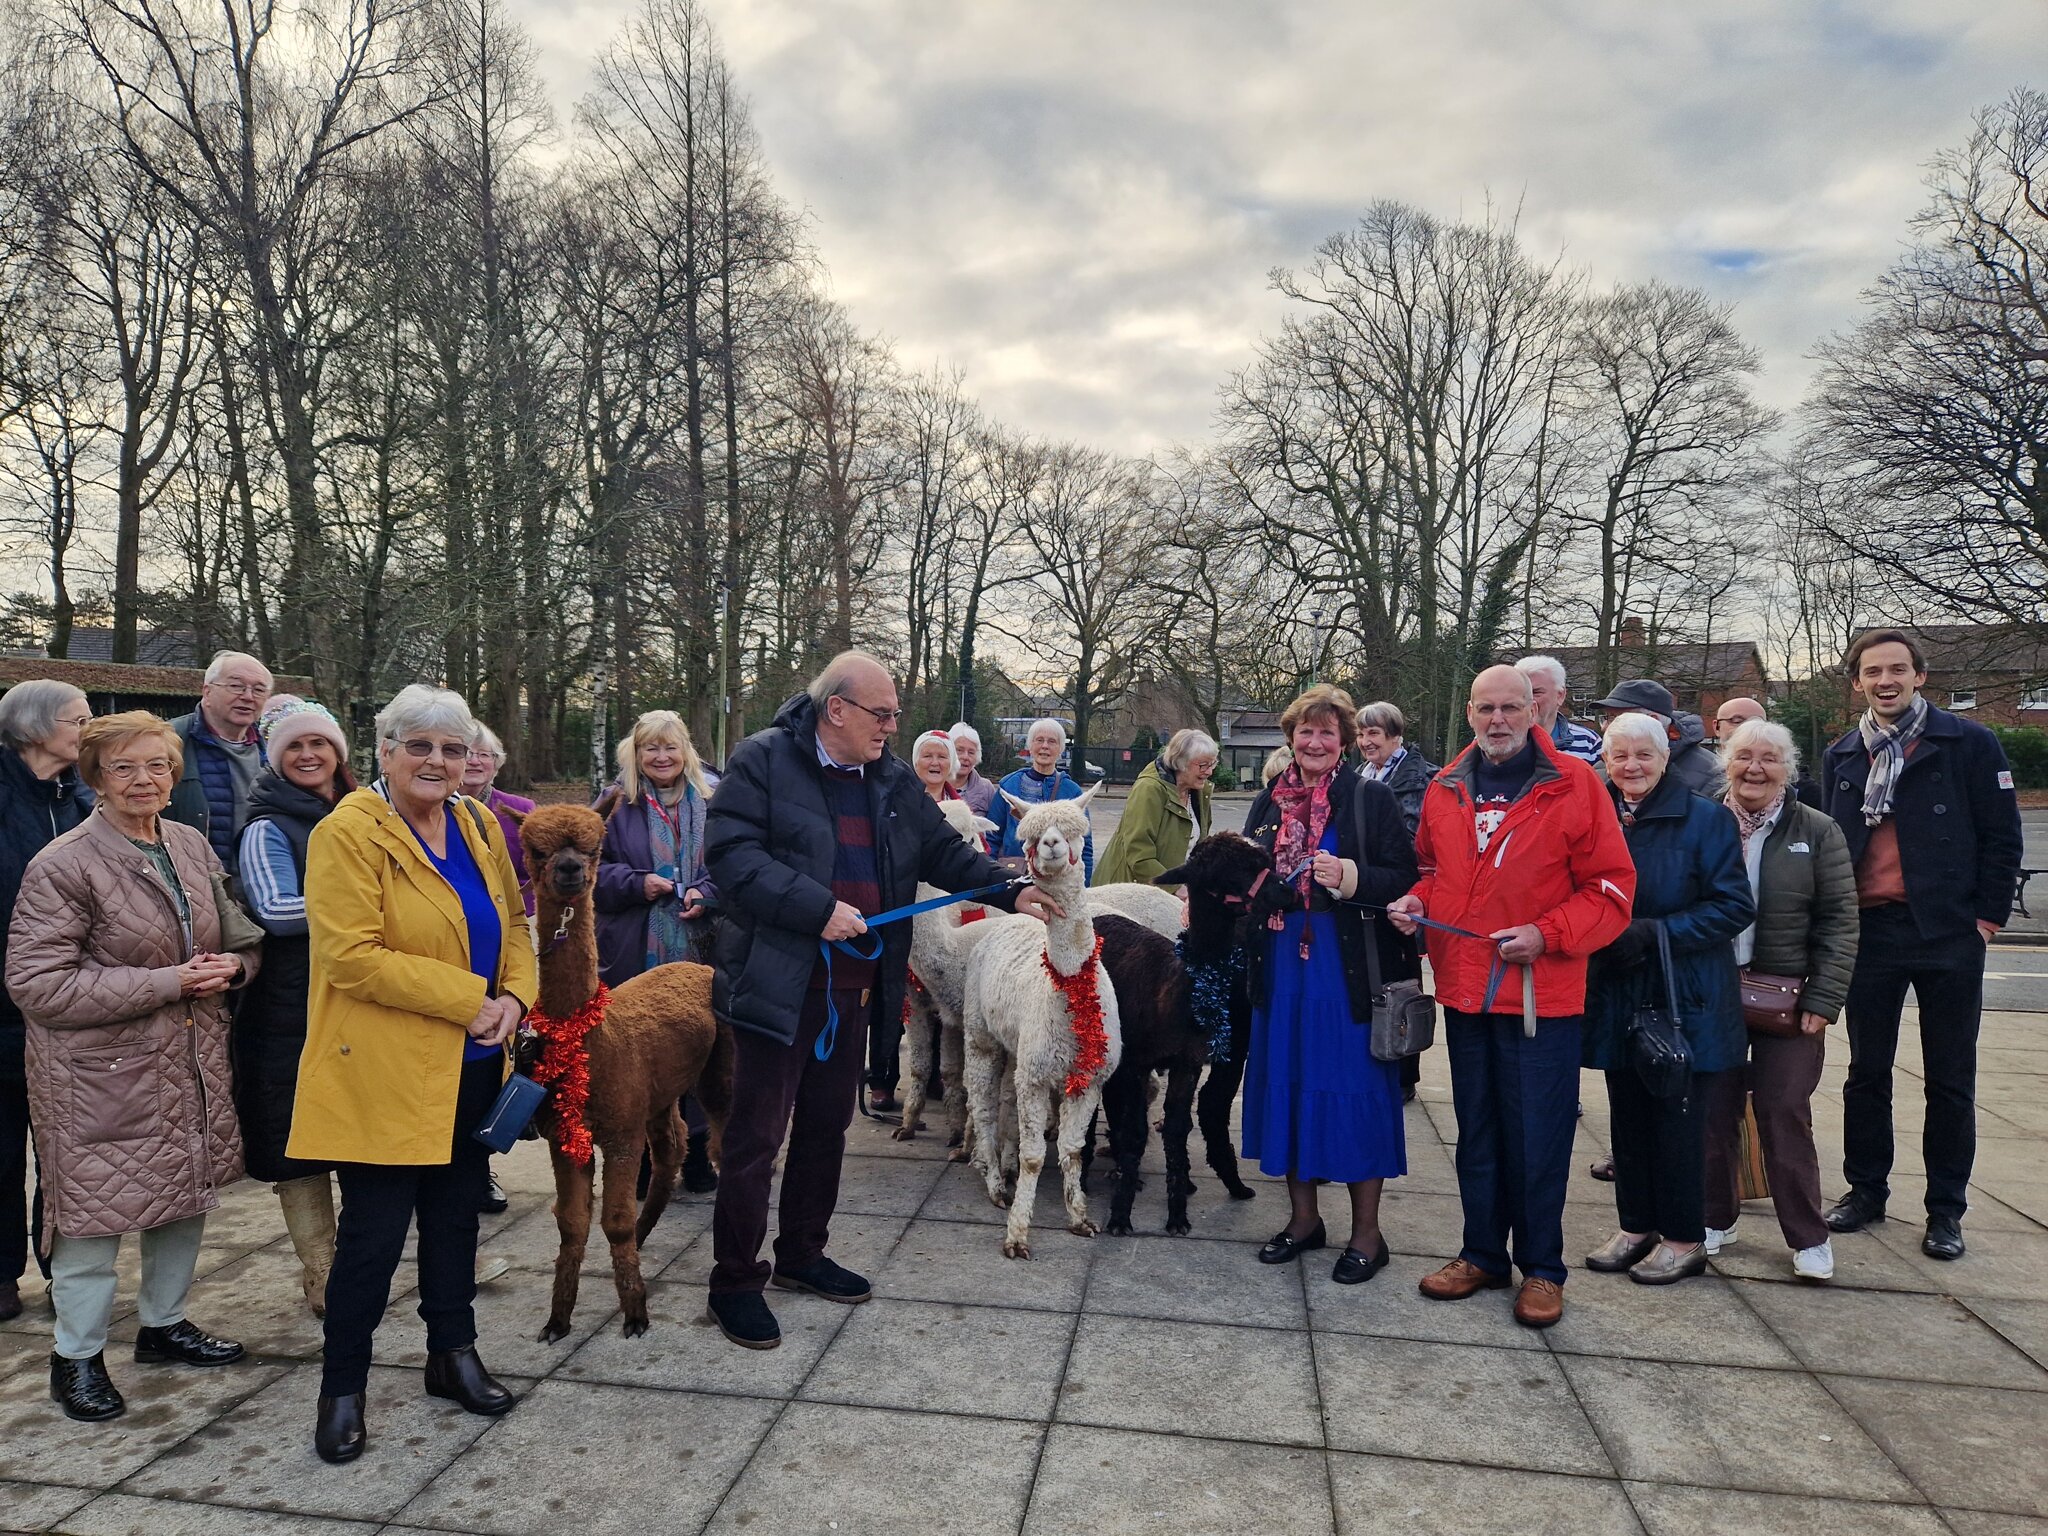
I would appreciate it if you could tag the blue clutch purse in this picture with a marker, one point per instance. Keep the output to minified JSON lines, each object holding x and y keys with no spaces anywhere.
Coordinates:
{"x":511,"y":1114}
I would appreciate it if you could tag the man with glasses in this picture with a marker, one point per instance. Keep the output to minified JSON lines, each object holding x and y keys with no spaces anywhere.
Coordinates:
{"x":223,"y":752}
{"x":814,"y":828}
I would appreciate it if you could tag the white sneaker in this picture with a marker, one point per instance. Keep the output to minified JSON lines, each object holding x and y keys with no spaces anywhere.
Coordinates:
{"x":1815,"y":1263}
{"x":491,"y":1269}
{"x":1719,"y":1238}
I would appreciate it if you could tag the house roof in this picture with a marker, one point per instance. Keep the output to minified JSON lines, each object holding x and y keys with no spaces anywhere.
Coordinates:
{"x":2011,"y":648}
{"x":131,"y":682}
{"x":1689,"y":663}
{"x":153,"y":647}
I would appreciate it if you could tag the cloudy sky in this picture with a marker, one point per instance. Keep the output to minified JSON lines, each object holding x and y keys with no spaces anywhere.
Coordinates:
{"x":1078,"y":201}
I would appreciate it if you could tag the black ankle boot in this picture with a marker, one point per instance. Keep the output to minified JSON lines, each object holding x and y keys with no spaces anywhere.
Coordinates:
{"x":699,"y":1177}
{"x":83,"y":1389}
{"x":459,"y":1376}
{"x":338,"y":1431}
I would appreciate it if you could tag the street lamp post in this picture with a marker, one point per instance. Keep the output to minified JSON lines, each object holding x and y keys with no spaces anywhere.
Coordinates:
{"x":1315,"y":643}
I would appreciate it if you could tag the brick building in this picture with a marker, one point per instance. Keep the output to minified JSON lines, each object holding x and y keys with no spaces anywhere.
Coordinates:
{"x":1702,"y":675}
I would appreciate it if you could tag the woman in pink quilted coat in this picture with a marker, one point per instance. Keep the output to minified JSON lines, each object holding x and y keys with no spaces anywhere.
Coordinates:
{"x":116,"y":959}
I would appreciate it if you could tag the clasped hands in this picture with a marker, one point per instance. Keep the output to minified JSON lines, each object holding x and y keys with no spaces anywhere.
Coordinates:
{"x":495,"y":1021}
{"x":207,"y":973}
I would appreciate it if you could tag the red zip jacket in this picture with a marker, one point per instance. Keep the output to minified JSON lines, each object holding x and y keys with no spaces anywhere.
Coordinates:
{"x":1558,"y":860}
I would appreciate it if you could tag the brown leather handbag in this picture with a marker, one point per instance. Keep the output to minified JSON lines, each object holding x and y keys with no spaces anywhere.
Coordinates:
{"x":1770,"y":1004}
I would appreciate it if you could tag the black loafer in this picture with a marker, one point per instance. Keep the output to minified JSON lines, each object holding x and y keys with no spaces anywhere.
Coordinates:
{"x":1283,"y":1249}
{"x":1853,"y":1212}
{"x":338,"y":1431}
{"x":1354,"y":1268}
{"x":1944,"y":1239}
{"x":821,"y":1277}
{"x":745,"y":1318}
{"x":83,"y":1389}
{"x":459,"y":1376}
{"x":182,"y":1344}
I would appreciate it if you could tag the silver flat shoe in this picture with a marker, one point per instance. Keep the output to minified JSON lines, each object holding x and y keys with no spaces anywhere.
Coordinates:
{"x":1620,"y":1252}
{"x":1663,"y":1267}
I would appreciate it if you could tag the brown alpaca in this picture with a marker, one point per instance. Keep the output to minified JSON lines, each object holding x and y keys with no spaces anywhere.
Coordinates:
{"x":657,"y":1041}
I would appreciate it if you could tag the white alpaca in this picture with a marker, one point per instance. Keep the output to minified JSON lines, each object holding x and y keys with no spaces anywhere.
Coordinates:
{"x":1146,"y":904}
{"x":939,"y":945}
{"x":1019,"y":1035}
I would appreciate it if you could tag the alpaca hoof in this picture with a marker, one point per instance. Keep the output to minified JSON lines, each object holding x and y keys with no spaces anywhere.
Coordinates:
{"x":635,"y":1326}
{"x":1119,"y":1226}
{"x":1178,"y":1227}
{"x":1243,"y":1192}
{"x":903,"y":1133}
{"x":999,"y":1198}
{"x":1016,"y":1248}
{"x":959,"y":1154}
{"x":956,"y":1139}
{"x":1087,"y":1228}
{"x":554,"y":1332}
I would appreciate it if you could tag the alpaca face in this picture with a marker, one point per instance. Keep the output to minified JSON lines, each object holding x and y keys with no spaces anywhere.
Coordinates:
{"x":961,"y":818}
{"x":561,"y":843}
{"x":1051,"y":837}
{"x":1235,"y":873}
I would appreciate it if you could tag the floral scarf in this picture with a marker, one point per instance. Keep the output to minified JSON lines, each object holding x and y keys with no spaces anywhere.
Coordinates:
{"x":1304,"y":816}
{"x":1749,"y":825}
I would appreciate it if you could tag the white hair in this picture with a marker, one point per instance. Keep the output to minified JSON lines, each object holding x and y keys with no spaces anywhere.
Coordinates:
{"x":1544,"y":666}
{"x":962,"y":731}
{"x":952,"y":757}
{"x":837,"y":677}
{"x":1188,"y":746}
{"x":222,"y":660}
{"x":488,"y":739}
{"x":1643,"y":730}
{"x":1046,"y":723}
{"x":28,"y":711}
{"x":420,"y":707}
{"x":1763,"y":733}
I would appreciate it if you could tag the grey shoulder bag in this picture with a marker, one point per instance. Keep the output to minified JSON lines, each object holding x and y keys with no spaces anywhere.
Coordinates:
{"x":1403,"y":1015}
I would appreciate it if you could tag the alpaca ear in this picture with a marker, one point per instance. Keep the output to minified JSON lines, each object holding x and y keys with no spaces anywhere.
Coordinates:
{"x":984,"y":826}
{"x":1172,"y":877}
{"x":1019,"y":807}
{"x":1090,"y":793}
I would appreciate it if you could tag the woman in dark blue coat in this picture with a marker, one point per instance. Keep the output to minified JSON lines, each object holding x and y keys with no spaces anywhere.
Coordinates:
{"x":1690,"y":879}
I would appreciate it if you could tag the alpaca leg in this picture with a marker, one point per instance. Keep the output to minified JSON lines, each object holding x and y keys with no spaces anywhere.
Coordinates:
{"x":1031,"y":1120}
{"x":1074,"y":1117}
{"x":1006,"y":1123}
{"x":917,"y":1047}
{"x":714,"y":1090}
{"x":952,"y":1066}
{"x":1180,"y":1095}
{"x":665,"y":1138}
{"x":1123,"y":1101}
{"x":621,"y":1171}
{"x":1219,"y":1092}
{"x":985,"y":1067}
{"x":572,"y":1222}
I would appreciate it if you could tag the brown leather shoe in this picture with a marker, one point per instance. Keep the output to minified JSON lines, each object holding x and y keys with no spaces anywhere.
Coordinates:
{"x":1540,"y":1304}
{"x":1457,"y":1280}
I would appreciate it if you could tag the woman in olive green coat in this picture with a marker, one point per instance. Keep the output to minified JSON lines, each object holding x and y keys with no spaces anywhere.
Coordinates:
{"x":1167,"y":812}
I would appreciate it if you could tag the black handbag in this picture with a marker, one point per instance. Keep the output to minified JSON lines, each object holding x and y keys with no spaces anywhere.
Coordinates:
{"x":1657,"y":1046}
{"x":1403,"y":1015}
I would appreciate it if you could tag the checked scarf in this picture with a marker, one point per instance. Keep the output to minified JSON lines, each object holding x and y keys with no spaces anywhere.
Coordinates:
{"x":1887,"y":746}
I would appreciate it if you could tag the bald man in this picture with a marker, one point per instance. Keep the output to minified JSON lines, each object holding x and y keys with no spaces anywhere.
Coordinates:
{"x":1518,"y":843}
{"x":1734,"y":712}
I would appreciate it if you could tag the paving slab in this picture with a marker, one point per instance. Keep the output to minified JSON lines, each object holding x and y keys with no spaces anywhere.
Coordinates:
{"x":1375,"y":1494}
{"x":38,"y":1506}
{"x":1001,"y":1362}
{"x":1675,"y":1511}
{"x":2024,"y":1324}
{"x":1112,"y":1482}
{"x":1192,"y":1378}
{"x":1893,"y":1333}
{"x":595,"y":1459}
{"x":2009,"y":1266}
{"x":166,"y":1404}
{"x":869,"y":1472}
{"x":1722,"y":1427}
{"x":1972,"y":1522}
{"x":1700,"y":1321}
{"x":1390,"y":1306}
{"x":1449,"y":1402}
{"x":1962,"y":1445}
{"x":963,"y":1261}
{"x":1198,"y":1281}
{"x":121,"y":1514}
{"x":683,"y":1352}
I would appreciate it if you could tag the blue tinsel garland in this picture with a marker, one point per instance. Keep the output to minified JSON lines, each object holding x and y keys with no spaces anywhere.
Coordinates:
{"x":1212,"y":984}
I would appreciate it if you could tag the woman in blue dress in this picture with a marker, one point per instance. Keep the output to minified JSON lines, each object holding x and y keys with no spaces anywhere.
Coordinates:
{"x":1317,"y":1107}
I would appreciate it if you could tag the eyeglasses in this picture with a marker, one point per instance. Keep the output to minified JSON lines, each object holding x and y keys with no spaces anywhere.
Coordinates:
{"x":126,"y":773}
{"x":243,"y":690}
{"x":475,"y":754}
{"x":883,"y":716}
{"x":81,"y":721}
{"x":451,"y":751}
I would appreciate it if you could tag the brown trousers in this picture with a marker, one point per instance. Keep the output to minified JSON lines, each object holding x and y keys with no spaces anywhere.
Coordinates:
{"x":778,"y":1089}
{"x":1780,"y":1079}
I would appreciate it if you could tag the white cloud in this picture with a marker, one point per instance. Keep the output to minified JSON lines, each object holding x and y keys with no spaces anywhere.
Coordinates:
{"x":1079,"y":202}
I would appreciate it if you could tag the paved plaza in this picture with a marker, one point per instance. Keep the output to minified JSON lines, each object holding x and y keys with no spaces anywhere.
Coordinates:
{"x":1141,"y":1384}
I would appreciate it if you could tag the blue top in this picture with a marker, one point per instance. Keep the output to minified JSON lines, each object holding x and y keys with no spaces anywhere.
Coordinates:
{"x":486,"y":928}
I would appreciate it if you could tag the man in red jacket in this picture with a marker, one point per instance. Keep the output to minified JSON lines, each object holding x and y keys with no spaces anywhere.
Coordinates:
{"x":1520,"y":843}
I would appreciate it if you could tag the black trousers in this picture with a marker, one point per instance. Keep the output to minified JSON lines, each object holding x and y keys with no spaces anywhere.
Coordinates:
{"x":378,"y":1206}
{"x":1660,"y":1157}
{"x":1947,"y":978}
{"x":21,"y":1218}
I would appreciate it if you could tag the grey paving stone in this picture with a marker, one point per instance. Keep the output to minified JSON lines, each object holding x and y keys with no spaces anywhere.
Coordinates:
{"x":1118,"y":1483}
{"x":1196,"y":1280}
{"x":120,"y":1514}
{"x":1130,"y":1373}
{"x":258,"y":1300}
{"x":1862,"y":1263}
{"x":2023,"y":1323}
{"x":963,"y":1261}
{"x":1700,"y":1321}
{"x":861,"y":1243}
{"x":531,"y":1243}
{"x":682,"y":1352}
{"x":609,"y":1461}
{"x":1719,"y":1427}
{"x":1418,"y":1223}
{"x":1387,"y":1493}
{"x":874,"y":1186}
{"x":261,"y":1454}
{"x":868,"y":1472}
{"x":1971,"y":1522}
{"x":165,"y":1405}
{"x":2008,"y":1266}
{"x":38,"y":1506}
{"x":509,"y":1314}
{"x":1673,"y":1511}
{"x":1877,"y":1333}
{"x":940,"y":1357}
{"x":1449,"y":1402}
{"x":960,"y":1194}
{"x":1962,"y":1445}
{"x":1389,"y":1306}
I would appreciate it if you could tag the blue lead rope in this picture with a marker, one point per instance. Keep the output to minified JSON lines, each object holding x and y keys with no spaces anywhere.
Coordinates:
{"x":828,"y":1037}
{"x":1494,"y":977}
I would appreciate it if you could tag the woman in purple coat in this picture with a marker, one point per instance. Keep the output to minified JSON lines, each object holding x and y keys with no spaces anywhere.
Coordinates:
{"x":653,"y":897}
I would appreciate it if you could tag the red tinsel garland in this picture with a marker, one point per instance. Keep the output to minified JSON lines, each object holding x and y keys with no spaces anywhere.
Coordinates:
{"x":564,"y":1067}
{"x":1084,"y":1009}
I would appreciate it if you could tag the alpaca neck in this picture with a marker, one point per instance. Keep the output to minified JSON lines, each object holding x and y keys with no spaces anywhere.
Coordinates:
{"x":568,"y":965}
{"x":1069,"y":939}
{"x":1212,"y":927}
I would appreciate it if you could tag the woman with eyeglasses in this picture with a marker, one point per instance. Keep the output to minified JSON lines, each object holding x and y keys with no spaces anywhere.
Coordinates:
{"x":422,"y":967}
{"x":41,"y":798}
{"x":116,"y":959}
{"x":480,"y":782}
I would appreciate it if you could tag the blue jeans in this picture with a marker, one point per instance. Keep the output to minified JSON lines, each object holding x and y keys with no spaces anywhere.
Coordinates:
{"x":1517,"y":1103}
